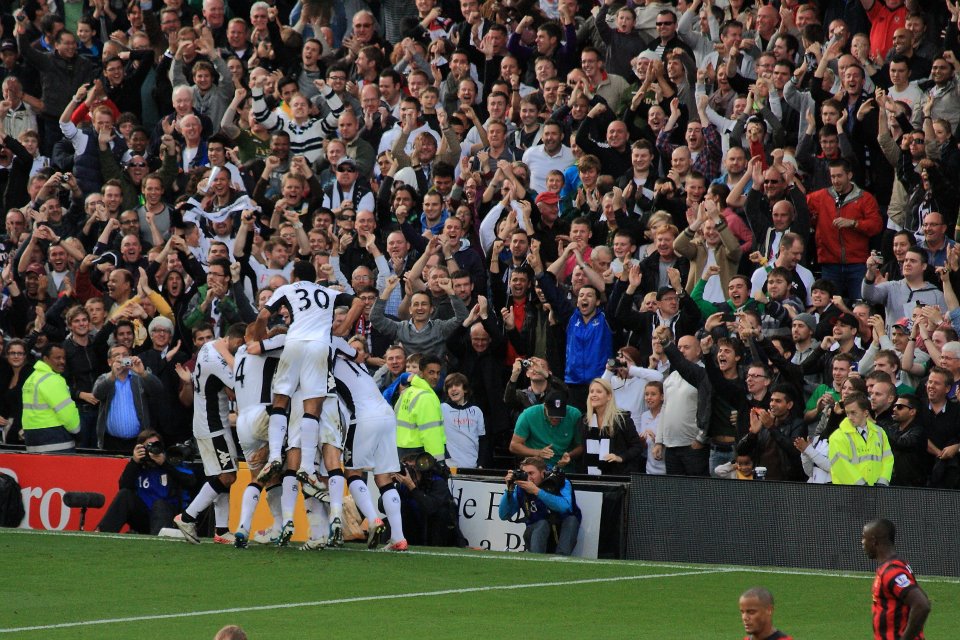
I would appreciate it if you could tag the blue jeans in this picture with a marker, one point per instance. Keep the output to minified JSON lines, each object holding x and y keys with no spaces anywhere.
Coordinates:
{"x":87,"y":438}
{"x":848,"y":278}
{"x":718,"y":458}
{"x":537,"y":536}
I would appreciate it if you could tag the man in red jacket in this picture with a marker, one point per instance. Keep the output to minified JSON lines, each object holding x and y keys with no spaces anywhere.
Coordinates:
{"x":845,"y":217}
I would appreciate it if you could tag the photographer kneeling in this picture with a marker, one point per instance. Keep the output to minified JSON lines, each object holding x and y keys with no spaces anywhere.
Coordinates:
{"x":151,"y":489}
{"x":548,"y":504}
{"x":429,"y":512}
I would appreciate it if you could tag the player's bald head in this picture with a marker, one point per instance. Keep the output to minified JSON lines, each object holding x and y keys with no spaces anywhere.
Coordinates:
{"x":762,"y":595}
{"x":882,"y":530}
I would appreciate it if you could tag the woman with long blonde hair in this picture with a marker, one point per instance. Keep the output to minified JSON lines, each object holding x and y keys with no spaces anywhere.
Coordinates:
{"x":612,"y":444}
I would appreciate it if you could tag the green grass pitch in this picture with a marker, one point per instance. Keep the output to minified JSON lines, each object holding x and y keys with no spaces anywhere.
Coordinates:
{"x":97,"y":586}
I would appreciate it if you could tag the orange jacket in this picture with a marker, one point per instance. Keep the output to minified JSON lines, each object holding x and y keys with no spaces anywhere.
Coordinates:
{"x":847,"y":245}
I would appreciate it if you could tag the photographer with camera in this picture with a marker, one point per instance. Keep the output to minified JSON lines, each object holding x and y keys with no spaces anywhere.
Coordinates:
{"x":125,"y":395}
{"x":548,"y":504}
{"x":151,"y":489}
{"x":429,"y":512}
{"x":541,"y":379}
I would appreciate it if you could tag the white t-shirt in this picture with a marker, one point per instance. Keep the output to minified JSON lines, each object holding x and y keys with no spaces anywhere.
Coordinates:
{"x":210,"y":404}
{"x":311,"y":307}
{"x":253,"y":375}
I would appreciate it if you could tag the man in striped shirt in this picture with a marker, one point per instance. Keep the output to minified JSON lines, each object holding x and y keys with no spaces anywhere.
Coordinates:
{"x":900,"y":607}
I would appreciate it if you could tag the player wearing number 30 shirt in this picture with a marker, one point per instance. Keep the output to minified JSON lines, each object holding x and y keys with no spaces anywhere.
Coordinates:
{"x":305,"y":362}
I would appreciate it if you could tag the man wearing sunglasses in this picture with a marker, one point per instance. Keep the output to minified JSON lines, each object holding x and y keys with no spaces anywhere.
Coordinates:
{"x":348,"y":188}
{"x":908,"y":441}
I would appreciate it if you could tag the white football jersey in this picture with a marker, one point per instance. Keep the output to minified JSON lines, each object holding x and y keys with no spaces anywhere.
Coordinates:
{"x":311,"y":309}
{"x":358,"y":393}
{"x":253,"y":375}
{"x":211,"y":376}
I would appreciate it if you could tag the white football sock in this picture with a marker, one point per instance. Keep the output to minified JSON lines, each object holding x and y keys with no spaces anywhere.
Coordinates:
{"x":361,"y":496}
{"x":336,"y":485}
{"x":309,"y":440}
{"x":204,"y":499}
{"x":288,"y":499}
{"x":277,"y":431}
{"x":391,"y":506}
{"x":273,"y":501}
{"x":221,"y":510}
{"x":248,"y":504}
{"x":317,"y":517}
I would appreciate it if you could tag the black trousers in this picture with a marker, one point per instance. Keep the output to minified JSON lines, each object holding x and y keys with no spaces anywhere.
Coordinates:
{"x":118,"y":445}
{"x":687,"y":461}
{"x":128,"y":508}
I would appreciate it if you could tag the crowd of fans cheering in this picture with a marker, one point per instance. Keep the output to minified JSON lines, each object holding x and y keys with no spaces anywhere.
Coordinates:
{"x":720,"y":232}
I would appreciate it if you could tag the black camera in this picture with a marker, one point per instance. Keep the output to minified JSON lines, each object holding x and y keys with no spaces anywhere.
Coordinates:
{"x":153,"y":448}
{"x":617,"y":363}
{"x":553,"y":482}
{"x":520,"y":474}
{"x":179,"y":452}
{"x":525,"y":364}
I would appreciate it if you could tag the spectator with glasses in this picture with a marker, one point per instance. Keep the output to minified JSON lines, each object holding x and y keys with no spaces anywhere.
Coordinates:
{"x":219,"y":302}
{"x":348,"y":188}
{"x":14,"y":369}
{"x":908,"y":441}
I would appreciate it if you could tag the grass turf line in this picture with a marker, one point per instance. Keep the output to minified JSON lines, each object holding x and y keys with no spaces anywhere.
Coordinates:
{"x":67,"y":578}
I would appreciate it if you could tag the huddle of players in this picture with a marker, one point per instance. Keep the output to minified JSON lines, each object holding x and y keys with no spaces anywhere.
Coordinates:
{"x":301,"y":387}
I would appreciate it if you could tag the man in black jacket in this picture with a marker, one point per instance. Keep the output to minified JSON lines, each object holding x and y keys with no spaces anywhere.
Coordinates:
{"x":908,"y":440}
{"x":675,"y":310}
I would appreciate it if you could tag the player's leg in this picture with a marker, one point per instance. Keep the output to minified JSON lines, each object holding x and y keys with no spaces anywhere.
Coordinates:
{"x":255,"y":452}
{"x":251,"y":430}
{"x":390,"y":498}
{"x":319,"y":524}
{"x":288,"y":501}
{"x":361,"y":497}
{"x":269,"y":536}
{"x":310,"y":435}
{"x":335,"y":484}
{"x":221,"y":514}
{"x":277,"y":431}
{"x":218,"y":454}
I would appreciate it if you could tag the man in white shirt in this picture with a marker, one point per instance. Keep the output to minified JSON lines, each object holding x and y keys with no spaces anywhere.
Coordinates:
{"x":549,"y":155}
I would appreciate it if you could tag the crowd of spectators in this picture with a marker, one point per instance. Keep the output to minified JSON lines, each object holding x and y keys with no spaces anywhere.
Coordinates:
{"x":671,"y":237}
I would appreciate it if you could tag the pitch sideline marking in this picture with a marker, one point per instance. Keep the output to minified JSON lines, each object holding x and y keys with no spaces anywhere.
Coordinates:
{"x":318,"y":603}
{"x":519,"y":557}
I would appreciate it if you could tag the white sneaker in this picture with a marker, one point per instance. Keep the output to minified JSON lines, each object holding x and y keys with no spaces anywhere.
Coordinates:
{"x":227,"y":538}
{"x":188,"y":529}
{"x":266,"y":536}
{"x":397,"y":545}
{"x":314,"y":544}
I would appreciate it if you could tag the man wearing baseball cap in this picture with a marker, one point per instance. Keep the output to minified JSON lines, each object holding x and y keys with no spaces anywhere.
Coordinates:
{"x":549,"y":431}
{"x":549,"y":226}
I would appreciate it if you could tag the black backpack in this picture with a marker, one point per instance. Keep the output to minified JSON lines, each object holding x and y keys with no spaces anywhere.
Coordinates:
{"x":11,"y":502}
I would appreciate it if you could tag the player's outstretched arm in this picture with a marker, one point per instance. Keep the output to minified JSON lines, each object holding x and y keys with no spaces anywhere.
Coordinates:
{"x":352,"y":316}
